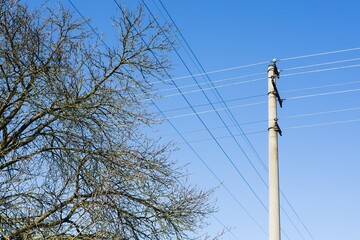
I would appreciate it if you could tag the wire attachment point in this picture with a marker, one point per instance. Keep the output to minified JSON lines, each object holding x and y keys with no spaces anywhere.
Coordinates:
{"x":277,"y":127}
{"x":276,"y":92}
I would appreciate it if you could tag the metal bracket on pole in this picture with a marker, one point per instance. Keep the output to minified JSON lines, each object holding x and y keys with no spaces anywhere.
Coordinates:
{"x":276,"y":92}
{"x":276,"y":70}
{"x":277,"y":127}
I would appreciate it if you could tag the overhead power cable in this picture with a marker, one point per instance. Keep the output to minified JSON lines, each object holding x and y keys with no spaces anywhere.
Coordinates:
{"x":264,"y":62}
{"x":323,"y":94}
{"x":259,"y":79}
{"x":258,"y":74}
{"x":263,"y":95}
{"x":220,"y":127}
{"x":320,"y":54}
{"x":216,"y":110}
{"x":207,"y":104}
{"x":324,"y":124}
{"x":285,"y":128}
{"x":214,"y":81}
{"x":212,"y":72}
{"x":321,"y":87}
{"x":321,"y":70}
{"x":214,"y":87}
{"x":321,"y":113}
{"x":321,"y":64}
{"x":280,"y":118}
{"x":263,"y":102}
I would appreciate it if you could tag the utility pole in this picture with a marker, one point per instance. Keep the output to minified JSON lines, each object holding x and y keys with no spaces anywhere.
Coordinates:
{"x":274,"y":129}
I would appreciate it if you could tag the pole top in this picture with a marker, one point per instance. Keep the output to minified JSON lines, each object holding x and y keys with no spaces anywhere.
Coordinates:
{"x":275,"y":68}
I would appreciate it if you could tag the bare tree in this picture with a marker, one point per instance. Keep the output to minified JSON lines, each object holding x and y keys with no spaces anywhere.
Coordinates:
{"x":73,"y":160}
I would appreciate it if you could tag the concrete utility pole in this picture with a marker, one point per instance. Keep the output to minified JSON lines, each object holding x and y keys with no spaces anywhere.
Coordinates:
{"x":274,"y":129}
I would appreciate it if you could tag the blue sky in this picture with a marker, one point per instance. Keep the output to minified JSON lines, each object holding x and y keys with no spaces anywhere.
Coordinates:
{"x":319,"y":165}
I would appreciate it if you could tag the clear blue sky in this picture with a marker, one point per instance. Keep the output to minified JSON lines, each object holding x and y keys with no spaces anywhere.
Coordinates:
{"x":319,"y":165}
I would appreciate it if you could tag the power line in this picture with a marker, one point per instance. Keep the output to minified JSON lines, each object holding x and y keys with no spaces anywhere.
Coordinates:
{"x":286,"y":128}
{"x":216,"y":110}
{"x":322,"y":86}
{"x":257,"y":74}
{"x":203,"y":130}
{"x":324,"y":124}
{"x":214,"y":87}
{"x":320,"y":54}
{"x":214,"y":81}
{"x":216,"y":71}
{"x":321,"y":113}
{"x":265,"y":62}
{"x":321,"y":64}
{"x":207,"y":104}
{"x":226,"y":137}
{"x":284,"y":117}
{"x":259,"y":79}
{"x":323,"y":94}
{"x":262,"y":95}
{"x":321,"y":70}
{"x":263,"y":102}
